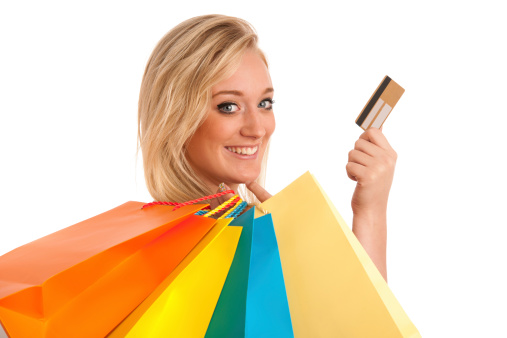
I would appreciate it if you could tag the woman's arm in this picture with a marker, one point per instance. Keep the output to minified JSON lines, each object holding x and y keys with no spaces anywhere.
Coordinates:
{"x":371,"y":164}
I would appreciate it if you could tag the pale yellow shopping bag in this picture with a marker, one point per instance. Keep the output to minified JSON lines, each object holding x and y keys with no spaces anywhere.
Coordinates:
{"x":333,"y":287}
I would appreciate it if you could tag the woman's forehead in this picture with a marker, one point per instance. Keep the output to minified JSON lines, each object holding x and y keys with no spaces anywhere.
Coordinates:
{"x":252,"y":76}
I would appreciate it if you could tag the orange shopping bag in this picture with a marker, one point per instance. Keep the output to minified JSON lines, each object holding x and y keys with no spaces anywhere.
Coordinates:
{"x":85,"y":279}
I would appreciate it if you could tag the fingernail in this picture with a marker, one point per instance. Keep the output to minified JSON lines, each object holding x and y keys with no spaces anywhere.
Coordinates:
{"x":222,"y":187}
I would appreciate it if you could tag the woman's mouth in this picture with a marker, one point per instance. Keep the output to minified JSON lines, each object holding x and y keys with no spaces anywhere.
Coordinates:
{"x":243,"y":150}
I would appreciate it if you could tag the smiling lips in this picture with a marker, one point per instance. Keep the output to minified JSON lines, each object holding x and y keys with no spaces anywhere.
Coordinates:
{"x":243,"y":150}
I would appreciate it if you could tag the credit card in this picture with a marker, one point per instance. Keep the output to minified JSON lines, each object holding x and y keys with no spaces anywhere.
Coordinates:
{"x":380,"y":105}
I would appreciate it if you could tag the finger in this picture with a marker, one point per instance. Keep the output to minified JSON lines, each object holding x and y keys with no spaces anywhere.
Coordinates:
{"x":367,"y":147}
{"x":258,"y":191}
{"x":349,"y":173}
{"x":361,"y":174}
{"x":215,"y":202}
{"x":355,"y":171}
{"x":360,"y":157}
{"x":376,"y":137}
{"x":372,"y":156}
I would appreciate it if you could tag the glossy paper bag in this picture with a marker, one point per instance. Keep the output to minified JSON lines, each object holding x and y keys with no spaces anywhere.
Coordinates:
{"x":83,"y":280}
{"x":253,"y":302}
{"x":183,"y":304}
{"x":333,"y":287}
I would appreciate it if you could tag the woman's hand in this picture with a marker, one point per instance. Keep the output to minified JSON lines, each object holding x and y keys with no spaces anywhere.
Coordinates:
{"x":371,"y":164}
{"x":258,"y":191}
{"x":254,"y":187}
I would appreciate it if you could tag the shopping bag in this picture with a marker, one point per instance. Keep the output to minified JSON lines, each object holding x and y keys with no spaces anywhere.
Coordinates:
{"x":333,"y":287}
{"x":253,"y":302}
{"x":83,"y":280}
{"x":182,"y":305}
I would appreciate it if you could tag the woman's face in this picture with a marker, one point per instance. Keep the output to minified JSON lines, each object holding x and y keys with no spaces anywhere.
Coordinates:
{"x":229,"y":146}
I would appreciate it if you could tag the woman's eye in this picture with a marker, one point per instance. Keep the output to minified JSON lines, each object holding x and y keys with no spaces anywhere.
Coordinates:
{"x":266,"y":104}
{"x":228,"y":107}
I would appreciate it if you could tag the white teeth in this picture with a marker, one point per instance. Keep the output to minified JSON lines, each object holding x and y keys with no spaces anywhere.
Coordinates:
{"x":243,"y":150}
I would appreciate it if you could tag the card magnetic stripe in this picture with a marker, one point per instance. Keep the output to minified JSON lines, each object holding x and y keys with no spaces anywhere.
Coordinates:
{"x":373,"y":100}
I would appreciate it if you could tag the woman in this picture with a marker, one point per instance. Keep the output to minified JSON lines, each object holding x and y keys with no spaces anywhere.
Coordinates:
{"x":206,"y":117}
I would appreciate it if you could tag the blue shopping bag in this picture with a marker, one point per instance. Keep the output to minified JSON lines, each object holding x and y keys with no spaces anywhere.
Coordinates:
{"x":253,"y":301}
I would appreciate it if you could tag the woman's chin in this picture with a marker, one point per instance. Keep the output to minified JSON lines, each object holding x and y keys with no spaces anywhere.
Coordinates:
{"x":242,"y":178}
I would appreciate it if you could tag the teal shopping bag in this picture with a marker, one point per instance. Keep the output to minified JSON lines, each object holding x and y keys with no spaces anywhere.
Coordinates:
{"x":253,"y":301}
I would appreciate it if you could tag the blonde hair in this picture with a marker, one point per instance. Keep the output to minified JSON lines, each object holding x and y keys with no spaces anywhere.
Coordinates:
{"x":176,"y":94}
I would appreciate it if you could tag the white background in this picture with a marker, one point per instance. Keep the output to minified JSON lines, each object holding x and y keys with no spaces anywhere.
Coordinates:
{"x":69,"y":81}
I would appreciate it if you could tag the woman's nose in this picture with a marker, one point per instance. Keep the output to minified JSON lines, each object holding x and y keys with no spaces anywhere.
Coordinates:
{"x":253,"y":124}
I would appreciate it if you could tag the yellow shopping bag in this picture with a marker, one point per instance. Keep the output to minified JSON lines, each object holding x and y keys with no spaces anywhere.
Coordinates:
{"x":333,"y":287}
{"x":183,"y":304}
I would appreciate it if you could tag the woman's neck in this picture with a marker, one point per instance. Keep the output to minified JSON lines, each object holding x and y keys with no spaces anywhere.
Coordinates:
{"x":214,"y":187}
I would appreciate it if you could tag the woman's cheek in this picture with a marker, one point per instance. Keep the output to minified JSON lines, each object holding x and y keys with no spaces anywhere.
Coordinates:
{"x":271,"y":124}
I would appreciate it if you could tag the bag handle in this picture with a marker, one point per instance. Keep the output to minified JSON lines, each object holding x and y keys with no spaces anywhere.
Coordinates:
{"x":179,"y":205}
{"x":235,"y":205}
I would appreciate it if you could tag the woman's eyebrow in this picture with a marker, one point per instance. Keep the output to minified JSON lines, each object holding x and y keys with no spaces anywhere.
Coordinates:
{"x":238,"y":93}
